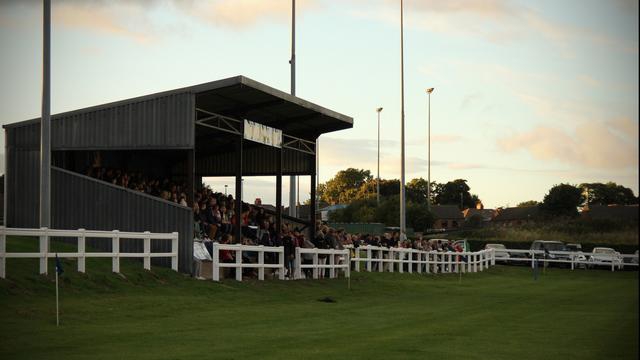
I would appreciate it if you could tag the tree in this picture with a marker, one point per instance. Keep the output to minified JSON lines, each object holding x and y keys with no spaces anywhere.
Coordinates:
{"x":387,"y":188}
{"x":609,"y":193}
{"x":418,"y":216}
{"x":562,"y":200}
{"x":451,"y":192}
{"x":528,"y":203}
{"x":344,"y":186}
{"x":416,"y":191}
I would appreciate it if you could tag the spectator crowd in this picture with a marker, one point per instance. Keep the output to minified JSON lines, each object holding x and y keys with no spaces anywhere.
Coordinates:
{"x":215,"y":217}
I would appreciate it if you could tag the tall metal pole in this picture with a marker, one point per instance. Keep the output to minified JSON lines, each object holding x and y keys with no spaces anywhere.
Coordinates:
{"x":378,"y":176}
{"x":403,"y":227}
{"x":292,"y":178}
{"x":45,"y":121}
{"x":429,"y":91}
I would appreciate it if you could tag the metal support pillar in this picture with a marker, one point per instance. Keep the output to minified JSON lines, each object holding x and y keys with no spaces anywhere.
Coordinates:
{"x":312,"y":204}
{"x":191,"y":183}
{"x":278,"y":190}
{"x":238,"y":209}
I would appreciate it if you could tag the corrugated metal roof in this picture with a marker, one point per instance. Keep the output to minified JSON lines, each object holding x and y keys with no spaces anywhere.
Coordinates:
{"x":241,"y":97}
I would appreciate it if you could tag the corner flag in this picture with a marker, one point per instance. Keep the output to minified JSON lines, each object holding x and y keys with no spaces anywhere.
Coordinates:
{"x":59,"y":269}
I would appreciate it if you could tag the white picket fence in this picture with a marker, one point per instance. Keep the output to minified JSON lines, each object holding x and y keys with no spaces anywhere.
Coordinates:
{"x":45,"y":235}
{"x":322,"y":259}
{"x":397,"y":259}
{"x":571,"y":258}
{"x":238,"y":264}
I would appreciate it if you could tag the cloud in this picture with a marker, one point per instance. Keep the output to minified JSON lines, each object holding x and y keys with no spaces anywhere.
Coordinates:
{"x":244,"y":13}
{"x":496,"y":21}
{"x":604,"y":145}
{"x":136,"y":20}
{"x":104,"y":19}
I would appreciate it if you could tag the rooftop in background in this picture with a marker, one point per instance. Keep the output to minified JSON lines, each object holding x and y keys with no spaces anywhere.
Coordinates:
{"x":241,"y":97}
{"x":450,"y":212}
{"x":517,"y":213}
{"x":486,"y":214}
{"x":612,"y":212}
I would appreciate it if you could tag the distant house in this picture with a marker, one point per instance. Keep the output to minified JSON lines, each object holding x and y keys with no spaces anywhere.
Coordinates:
{"x":611,"y":212}
{"x":447,"y":216}
{"x":485,"y":214}
{"x":516,"y":216}
{"x":324,"y":212}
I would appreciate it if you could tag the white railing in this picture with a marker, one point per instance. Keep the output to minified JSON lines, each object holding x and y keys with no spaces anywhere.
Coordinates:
{"x":397,"y":259}
{"x":331,"y":259}
{"x":45,"y":234}
{"x":238,"y":264}
{"x":571,"y":258}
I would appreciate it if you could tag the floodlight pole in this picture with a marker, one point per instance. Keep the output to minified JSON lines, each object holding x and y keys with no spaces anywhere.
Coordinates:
{"x":379,"y":110}
{"x":429,"y":91}
{"x":292,"y":178}
{"x":45,"y":121}
{"x":403,"y":230}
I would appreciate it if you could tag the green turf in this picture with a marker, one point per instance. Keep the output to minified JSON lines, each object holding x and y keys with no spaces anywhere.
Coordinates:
{"x":498,"y":314}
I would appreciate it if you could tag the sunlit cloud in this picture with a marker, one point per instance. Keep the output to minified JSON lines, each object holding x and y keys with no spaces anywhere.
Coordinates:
{"x":103,"y":19}
{"x":244,"y":13}
{"x":135,"y":19}
{"x":610,"y":144}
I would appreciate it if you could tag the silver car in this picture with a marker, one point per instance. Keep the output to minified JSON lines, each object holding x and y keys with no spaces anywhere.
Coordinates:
{"x":605,"y":256}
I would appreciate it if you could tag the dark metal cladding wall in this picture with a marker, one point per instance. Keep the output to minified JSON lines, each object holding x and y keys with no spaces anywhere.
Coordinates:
{"x":160,"y":123}
{"x":82,"y":202}
{"x":256,"y":161}
{"x":23,"y":176}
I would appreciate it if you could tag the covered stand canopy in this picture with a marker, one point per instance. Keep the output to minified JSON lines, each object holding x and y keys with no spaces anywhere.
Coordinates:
{"x":193,"y":132}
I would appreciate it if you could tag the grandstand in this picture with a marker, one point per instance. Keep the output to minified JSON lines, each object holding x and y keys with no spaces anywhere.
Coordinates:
{"x":183,"y":134}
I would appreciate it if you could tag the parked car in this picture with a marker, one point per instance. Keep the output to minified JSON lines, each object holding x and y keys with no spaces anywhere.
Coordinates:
{"x":500,"y":252}
{"x":631,"y":259}
{"x":605,"y":255}
{"x":551,"y":248}
{"x":578,"y":254}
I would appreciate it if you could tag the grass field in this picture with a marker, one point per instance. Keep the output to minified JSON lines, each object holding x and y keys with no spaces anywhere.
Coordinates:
{"x":498,"y":314}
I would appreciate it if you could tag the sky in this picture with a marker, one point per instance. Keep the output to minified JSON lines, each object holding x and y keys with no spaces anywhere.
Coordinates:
{"x":527,"y":94}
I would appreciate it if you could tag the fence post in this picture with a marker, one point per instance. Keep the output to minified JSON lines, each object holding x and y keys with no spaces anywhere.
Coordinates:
{"x":381,"y":263}
{"x":532,"y":259}
{"x":3,"y":251}
{"x":357,"y":258}
{"x":332,"y":262}
{"x":298,"y":270}
{"x":612,"y":263}
{"x":44,"y":249}
{"x":392,"y":260}
{"x":281,"y":263}
{"x":368,"y":258}
{"x":573,"y":259}
{"x":261,"y":263}
{"x":469,"y":260}
{"x":239,"y":263}
{"x":115,"y":251}
{"x":427,"y":256}
{"x":147,"y":251}
{"x":81,"y":252}
{"x":215,"y":262}
{"x":347,"y":271}
{"x":174,"y":250}
{"x":493,"y":257}
{"x":315,"y":264}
